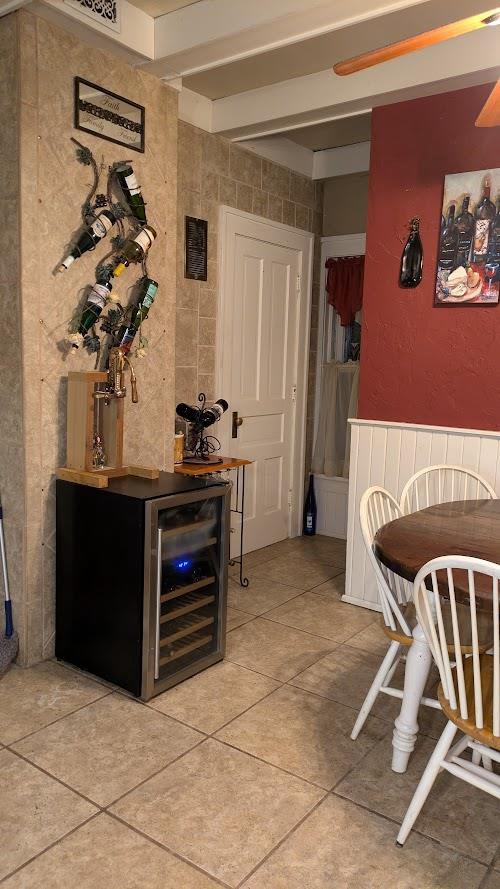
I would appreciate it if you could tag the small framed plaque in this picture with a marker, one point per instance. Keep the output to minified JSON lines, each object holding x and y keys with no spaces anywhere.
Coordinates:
{"x":105,"y":114}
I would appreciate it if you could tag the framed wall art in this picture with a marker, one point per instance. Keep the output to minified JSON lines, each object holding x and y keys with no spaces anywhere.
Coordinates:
{"x":468,"y":271}
{"x":105,"y":114}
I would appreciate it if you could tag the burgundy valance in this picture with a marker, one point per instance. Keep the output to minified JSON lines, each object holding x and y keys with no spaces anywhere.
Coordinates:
{"x":344,"y":284}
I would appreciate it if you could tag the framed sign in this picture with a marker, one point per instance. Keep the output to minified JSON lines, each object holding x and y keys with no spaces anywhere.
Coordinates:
{"x":105,"y":114}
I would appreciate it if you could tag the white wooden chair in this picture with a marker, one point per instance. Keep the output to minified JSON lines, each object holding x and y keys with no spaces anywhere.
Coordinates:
{"x":443,"y":484}
{"x":378,"y":507}
{"x":469,"y":691}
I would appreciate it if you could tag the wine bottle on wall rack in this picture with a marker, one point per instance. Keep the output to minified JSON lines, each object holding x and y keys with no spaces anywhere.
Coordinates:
{"x":96,"y":301}
{"x":89,"y":237}
{"x":484,"y":216}
{"x":127,"y":332}
{"x":135,"y":249}
{"x":449,"y":242}
{"x":465,"y":225}
{"x":131,"y":189}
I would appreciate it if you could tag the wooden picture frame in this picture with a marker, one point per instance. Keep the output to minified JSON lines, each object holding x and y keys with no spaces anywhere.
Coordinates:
{"x":109,"y":116}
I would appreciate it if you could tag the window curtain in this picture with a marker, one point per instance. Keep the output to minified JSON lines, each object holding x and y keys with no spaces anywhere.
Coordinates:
{"x":344,"y":285}
{"x":339,"y":401}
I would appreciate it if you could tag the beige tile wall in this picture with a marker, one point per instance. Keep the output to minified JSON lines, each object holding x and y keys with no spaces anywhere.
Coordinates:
{"x":12,"y":481}
{"x":53,"y":186}
{"x":213,"y":171}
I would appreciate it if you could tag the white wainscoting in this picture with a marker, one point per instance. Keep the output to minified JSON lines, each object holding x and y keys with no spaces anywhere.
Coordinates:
{"x":332,"y":495}
{"x":388,"y":454}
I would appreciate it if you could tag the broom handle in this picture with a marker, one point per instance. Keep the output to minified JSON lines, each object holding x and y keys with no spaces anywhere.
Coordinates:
{"x":9,"y":629}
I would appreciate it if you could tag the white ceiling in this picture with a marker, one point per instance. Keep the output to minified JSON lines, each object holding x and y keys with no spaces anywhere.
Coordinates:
{"x":156,"y":8}
{"x":320,"y":52}
{"x":334,"y":133}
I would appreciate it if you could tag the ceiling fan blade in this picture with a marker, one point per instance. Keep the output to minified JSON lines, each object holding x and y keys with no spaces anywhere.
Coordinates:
{"x":410,"y":44}
{"x":489,"y":116}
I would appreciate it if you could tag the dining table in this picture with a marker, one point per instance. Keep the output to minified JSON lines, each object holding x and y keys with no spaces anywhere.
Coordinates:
{"x":466,"y":528}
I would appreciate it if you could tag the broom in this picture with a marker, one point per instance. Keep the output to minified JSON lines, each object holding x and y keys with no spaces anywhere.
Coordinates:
{"x":9,"y":641}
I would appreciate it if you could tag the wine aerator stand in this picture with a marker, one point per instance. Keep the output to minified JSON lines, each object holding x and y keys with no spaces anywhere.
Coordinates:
{"x":95,"y":424}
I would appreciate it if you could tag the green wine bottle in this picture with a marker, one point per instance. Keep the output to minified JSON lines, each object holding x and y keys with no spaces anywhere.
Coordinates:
{"x":96,"y":301}
{"x":131,"y":190}
{"x":89,"y":237}
{"x":127,"y":332}
{"x":135,"y":249}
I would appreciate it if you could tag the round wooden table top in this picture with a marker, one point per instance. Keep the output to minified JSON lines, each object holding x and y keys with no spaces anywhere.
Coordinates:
{"x":465,"y":528}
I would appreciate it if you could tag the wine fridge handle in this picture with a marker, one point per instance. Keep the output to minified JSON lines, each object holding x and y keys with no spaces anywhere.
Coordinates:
{"x":158,"y":605}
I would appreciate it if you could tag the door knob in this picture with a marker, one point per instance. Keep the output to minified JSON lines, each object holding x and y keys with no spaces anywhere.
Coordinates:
{"x":237,"y":421}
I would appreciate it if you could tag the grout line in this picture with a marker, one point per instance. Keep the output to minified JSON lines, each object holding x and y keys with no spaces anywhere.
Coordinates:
{"x":283,"y":840}
{"x":234,"y":718}
{"x":55,"y":778}
{"x":59,"y":719}
{"x":47,"y":848}
{"x":154,"y":774}
{"x":167,"y":849}
{"x":419,"y":833}
{"x":272,"y":765}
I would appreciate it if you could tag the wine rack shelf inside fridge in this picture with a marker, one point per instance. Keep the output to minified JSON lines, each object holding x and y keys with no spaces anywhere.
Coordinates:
{"x":169,"y":599}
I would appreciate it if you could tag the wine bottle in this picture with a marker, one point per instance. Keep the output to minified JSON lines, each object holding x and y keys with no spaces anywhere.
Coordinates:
{"x":484,"y":216}
{"x":135,"y":249}
{"x":310,"y":511}
{"x":90,"y":237}
{"x":410,"y":274}
{"x":127,"y":332}
{"x":449,"y":242}
{"x":494,"y":241}
{"x":133,"y":195}
{"x":96,"y":301}
{"x":465,"y":225}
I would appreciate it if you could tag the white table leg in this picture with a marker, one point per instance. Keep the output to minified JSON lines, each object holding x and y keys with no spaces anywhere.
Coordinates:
{"x":418,"y":664}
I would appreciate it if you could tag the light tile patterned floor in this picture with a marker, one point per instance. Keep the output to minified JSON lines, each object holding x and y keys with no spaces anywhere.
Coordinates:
{"x":242,"y":776}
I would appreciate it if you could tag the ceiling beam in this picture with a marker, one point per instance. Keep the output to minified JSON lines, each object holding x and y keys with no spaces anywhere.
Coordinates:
{"x":466,"y":61}
{"x":341,"y":161}
{"x":194,"y":39}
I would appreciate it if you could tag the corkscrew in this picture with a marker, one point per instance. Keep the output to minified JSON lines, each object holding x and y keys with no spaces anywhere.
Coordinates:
{"x":115,"y":384}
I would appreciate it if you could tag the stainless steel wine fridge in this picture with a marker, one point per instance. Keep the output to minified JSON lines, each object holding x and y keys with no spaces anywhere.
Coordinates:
{"x":142,"y":579}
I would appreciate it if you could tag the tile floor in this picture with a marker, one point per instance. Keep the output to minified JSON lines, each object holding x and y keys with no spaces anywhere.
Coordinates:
{"x":243,"y":776}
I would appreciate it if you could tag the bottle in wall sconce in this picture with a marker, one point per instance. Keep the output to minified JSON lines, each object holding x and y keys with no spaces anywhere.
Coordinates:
{"x":131,"y":189}
{"x":127,"y":332}
{"x":310,"y":510}
{"x":135,"y":249}
{"x":410,"y":274}
{"x":90,"y":237}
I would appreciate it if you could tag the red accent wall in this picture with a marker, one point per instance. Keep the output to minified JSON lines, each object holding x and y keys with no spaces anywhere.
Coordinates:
{"x":420,"y":364}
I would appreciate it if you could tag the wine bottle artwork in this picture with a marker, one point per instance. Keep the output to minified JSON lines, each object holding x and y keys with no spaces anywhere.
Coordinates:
{"x":468,"y":256}
{"x":101,"y":211}
{"x":484,"y":216}
{"x":410,"y":274}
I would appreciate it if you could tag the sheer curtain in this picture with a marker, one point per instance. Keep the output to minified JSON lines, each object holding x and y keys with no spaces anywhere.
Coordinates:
{"x":339,"y":401}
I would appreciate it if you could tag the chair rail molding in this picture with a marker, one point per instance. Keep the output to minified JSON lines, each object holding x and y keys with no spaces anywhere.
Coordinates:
{"x":388,"y":454}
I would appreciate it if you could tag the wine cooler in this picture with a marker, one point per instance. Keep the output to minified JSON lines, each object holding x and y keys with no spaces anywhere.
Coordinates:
{"x":142,"y":578}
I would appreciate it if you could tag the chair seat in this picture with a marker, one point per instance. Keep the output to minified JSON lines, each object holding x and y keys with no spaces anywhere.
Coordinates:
{"x":484,"y":622}
{"x":483,"y":735}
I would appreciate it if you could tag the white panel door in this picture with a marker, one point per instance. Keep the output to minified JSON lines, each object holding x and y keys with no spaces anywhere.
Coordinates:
{"x":262,"y":389}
